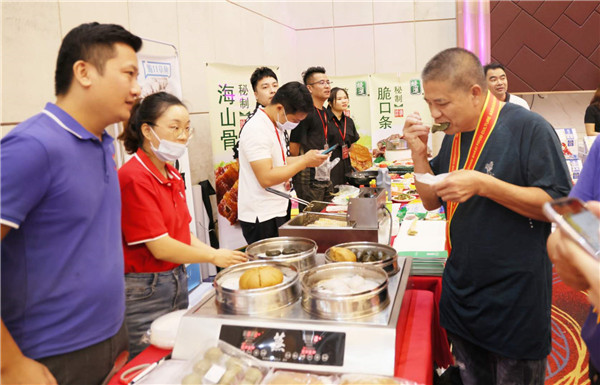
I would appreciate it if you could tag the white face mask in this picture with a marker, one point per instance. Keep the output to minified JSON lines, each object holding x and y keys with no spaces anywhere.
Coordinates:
{"x":168,"y":151}
{"x":287,"y":125}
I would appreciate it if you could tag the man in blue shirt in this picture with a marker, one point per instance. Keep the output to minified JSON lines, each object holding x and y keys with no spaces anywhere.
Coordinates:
{"x":62,"y":260}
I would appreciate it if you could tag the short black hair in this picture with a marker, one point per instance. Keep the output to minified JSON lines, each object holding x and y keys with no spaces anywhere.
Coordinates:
{"x":259,"y":74}
{"x":493,"y":66}
{"x":91,"y":42}
{"x":146,"y":110}
{"x":306,"y":75}
{"x":455,"y":65}
{"x":294,"y":97}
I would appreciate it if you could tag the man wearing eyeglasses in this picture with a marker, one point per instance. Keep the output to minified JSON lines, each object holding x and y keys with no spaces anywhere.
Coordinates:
{"x":311,"y":134}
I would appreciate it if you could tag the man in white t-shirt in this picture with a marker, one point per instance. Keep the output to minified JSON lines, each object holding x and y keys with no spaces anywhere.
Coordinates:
{"x":264,"y":162}
{"x":498,"y":85}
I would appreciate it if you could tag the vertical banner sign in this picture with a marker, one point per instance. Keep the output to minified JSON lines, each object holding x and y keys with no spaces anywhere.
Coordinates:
{"x":161,"y":73}
{"x":231,"y":100}
{"x":393,"y":97}
{"x":359,"y":108}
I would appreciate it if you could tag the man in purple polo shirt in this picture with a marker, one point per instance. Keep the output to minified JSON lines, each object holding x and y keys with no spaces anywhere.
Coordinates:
{"x":575,"y":267}
{"x":62,"y":261}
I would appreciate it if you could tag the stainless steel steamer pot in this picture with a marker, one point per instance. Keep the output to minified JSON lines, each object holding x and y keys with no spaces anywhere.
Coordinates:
{"x":344,"y":306}
{"x":256,"y":301}
{"x":389,"y":260}
{"x":304,"y":257}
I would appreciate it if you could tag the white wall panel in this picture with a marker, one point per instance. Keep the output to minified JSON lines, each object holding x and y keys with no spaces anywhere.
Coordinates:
{"x":310,"y":14}
{"x":395,"y":48}
{"x":354,"y":50}
{"x":238,"y":34}
{"x":352,"y":13}
{"x":196,"y":47}
{"x":200,"y":150}
{"x":393,"y":11}
{"x":433,"y":37}
{"x":280,"y":49}
{"x":30,"y":41}
{"x":154,"y":20}
{"x":429,"y":10}
{"x":73,"y":13}
{"x":315,"y":48}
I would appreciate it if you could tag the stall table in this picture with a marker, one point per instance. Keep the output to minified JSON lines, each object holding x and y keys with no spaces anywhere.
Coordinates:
{"x":413,"y":361}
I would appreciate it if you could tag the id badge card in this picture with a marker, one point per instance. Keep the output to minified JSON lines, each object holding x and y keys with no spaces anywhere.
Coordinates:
{"x":345,"y":151}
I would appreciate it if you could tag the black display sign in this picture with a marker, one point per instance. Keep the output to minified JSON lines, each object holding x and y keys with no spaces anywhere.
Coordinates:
{"x":307,"y":347}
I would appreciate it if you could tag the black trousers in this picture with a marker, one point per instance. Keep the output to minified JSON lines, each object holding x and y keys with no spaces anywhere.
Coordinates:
{"x":254,"y":232}
{"x":87,"y":366}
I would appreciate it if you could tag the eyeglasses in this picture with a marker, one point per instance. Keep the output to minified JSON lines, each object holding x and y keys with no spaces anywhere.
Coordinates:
{"x":321,"y":82}
{"x":178,"y":131}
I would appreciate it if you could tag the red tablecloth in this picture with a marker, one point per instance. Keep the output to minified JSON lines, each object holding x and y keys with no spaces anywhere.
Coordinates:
{"x":151,"y":354}
{"x":441,"y":349}
{"x":414,"y":360}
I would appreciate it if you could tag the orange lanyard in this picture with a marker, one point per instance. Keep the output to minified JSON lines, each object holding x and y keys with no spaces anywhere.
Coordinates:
{"x":338,"y":127}
{"x":485,"y":126}
{"x":278,"y":138}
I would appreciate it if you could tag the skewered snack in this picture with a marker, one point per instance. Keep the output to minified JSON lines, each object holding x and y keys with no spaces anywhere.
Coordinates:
{"x":439,"y":127}
{"x":258,"y":277}
{"x":341,"y":254}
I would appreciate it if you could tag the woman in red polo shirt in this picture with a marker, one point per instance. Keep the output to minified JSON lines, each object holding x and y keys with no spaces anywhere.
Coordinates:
{"x":155,"y":220}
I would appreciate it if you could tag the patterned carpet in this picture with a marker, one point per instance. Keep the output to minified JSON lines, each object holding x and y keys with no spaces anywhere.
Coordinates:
{"x":568,"y":362}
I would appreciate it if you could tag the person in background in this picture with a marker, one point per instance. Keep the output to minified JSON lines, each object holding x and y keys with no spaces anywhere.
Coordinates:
{"x":311,"y":134}
{"x":592,"y":115}
{"x":264,"y":84}
{"x":264,"y":163}
{"x":503,"y":163}
{"x":497,"y":83}
{"x":577,"y":268}
{"x":157,"y":241}
{"x":63,"y":297}
{"x":341,"y":130}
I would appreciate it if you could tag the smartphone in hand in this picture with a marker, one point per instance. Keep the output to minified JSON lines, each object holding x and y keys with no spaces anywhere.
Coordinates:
{"x":581,"y":225}
{"x":329,"y":149}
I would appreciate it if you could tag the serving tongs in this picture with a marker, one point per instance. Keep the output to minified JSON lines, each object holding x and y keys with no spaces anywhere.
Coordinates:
{"x":313,"y":207}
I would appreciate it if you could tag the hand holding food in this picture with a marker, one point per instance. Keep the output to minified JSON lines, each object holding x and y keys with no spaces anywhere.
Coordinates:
{"x":415,"y":133}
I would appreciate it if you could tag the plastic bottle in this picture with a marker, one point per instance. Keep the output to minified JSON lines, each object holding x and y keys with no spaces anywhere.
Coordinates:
{"x":384,"y":180}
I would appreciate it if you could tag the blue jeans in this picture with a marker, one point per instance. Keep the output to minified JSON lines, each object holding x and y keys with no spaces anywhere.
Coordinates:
{"x":149,"y":296}
{"x":479,"y":366}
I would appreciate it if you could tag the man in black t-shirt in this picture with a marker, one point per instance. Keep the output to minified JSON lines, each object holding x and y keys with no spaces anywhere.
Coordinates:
{"x":311,"y":134}
{"x":504,"y":162}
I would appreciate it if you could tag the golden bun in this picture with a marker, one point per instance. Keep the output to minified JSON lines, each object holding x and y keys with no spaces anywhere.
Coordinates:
{"x":258,"y":277}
